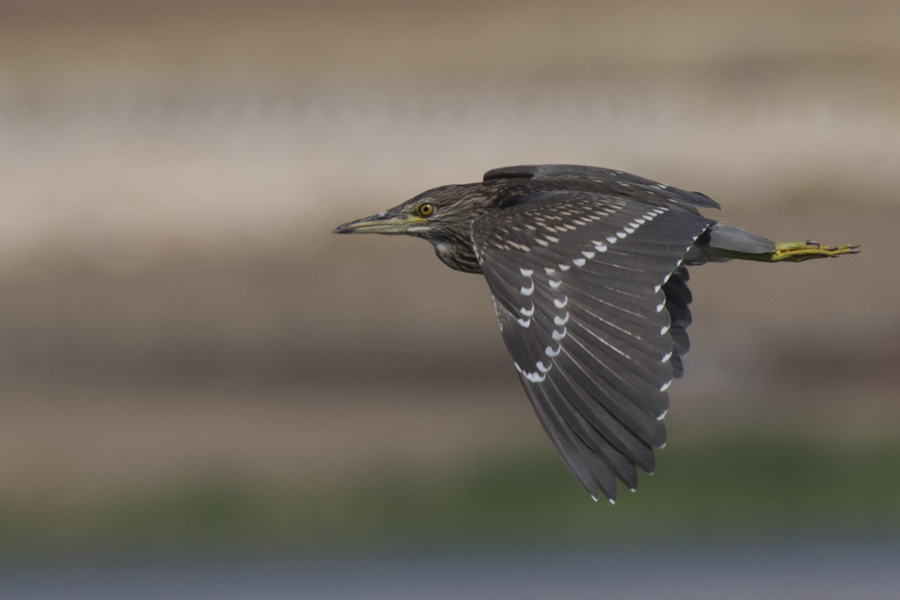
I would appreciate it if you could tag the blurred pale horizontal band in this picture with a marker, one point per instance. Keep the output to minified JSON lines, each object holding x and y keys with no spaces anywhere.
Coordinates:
{"x":205,"y":167}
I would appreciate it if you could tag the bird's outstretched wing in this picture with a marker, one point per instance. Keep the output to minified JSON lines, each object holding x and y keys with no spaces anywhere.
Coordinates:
{"x":577,"y":280}
{"x":599,"y":180}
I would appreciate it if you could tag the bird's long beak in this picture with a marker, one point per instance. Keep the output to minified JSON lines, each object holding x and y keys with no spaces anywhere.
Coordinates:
{"x":386,"y":222}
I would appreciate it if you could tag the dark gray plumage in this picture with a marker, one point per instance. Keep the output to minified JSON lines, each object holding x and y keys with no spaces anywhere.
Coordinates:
{"x":587,"y":268}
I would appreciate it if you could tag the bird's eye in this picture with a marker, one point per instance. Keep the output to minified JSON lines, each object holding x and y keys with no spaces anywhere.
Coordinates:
{"x":426,"y":209}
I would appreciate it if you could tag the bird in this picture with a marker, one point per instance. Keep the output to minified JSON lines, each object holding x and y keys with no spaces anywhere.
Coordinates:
{"x":588,"y":271}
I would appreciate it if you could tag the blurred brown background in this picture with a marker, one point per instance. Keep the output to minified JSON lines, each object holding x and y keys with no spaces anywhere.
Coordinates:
{"x":174,"y":309}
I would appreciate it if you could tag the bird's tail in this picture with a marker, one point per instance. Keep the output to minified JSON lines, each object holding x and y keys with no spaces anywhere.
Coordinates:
{"x":722,"y":243}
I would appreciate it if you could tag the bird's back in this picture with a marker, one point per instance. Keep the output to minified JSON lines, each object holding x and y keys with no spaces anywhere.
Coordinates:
{"x":599,"y":181}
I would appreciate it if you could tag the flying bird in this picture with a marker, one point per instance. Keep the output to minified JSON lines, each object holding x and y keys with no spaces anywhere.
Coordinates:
{"x":587,"y":268}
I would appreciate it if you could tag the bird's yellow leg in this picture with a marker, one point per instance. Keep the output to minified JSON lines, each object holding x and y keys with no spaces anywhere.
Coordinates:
{"x":800,"y":251}
{"x":793,"y":252}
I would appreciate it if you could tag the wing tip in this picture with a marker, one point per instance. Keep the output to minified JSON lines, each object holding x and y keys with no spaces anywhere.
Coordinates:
{"x":517,"y":172}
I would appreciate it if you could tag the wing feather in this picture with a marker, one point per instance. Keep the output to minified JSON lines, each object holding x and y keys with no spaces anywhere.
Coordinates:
{"x":678,"y":301}
{"x":579,"y":281}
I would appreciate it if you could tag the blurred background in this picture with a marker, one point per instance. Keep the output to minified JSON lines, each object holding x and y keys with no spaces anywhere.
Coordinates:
{"x":199,"y":382}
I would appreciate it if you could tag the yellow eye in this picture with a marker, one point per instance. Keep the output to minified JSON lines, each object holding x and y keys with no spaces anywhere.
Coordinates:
{"x":426,"y":210}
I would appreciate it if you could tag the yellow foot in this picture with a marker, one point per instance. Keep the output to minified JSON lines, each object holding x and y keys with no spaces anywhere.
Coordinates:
{"x":799,"y":251}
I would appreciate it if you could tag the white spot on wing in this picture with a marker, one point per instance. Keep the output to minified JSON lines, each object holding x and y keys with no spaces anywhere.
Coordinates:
{"x":600,"y":247}
{"x":660,"y":306}
{"x":561,"y":303}
{"x":555,"y":284}
{"x":558,"y":335}
{"x":666,"y":357}
{"x":578,"y":262}
{"x":664,"y":330}
{"x":663,"y":415}
{"x":532,"y":377}
{"x":527,"y":291}
{"x":611,"y":239}
{"x":526,"y":272}
{"x":628,"y":230}
{"x":528,"y":312}
{"x":561,"y":320}
{"x":564,"y":267}
{"x":588,"y":254}
{"x":621,"y":234}
{"x":664,"y":387}
{"x":542,"y":368}
{"x":524,"y":322}
{"x":551,"y":352}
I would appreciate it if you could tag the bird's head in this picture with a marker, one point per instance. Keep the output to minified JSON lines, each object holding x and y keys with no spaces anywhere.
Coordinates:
{"x":443,"y":216}
{"x":431,"y":214}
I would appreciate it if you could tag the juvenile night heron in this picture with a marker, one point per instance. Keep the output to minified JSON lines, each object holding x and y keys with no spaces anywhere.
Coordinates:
{"x":587,"y":269}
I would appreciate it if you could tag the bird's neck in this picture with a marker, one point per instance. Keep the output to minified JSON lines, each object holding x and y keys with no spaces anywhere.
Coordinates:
{"x":457,"y":255}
